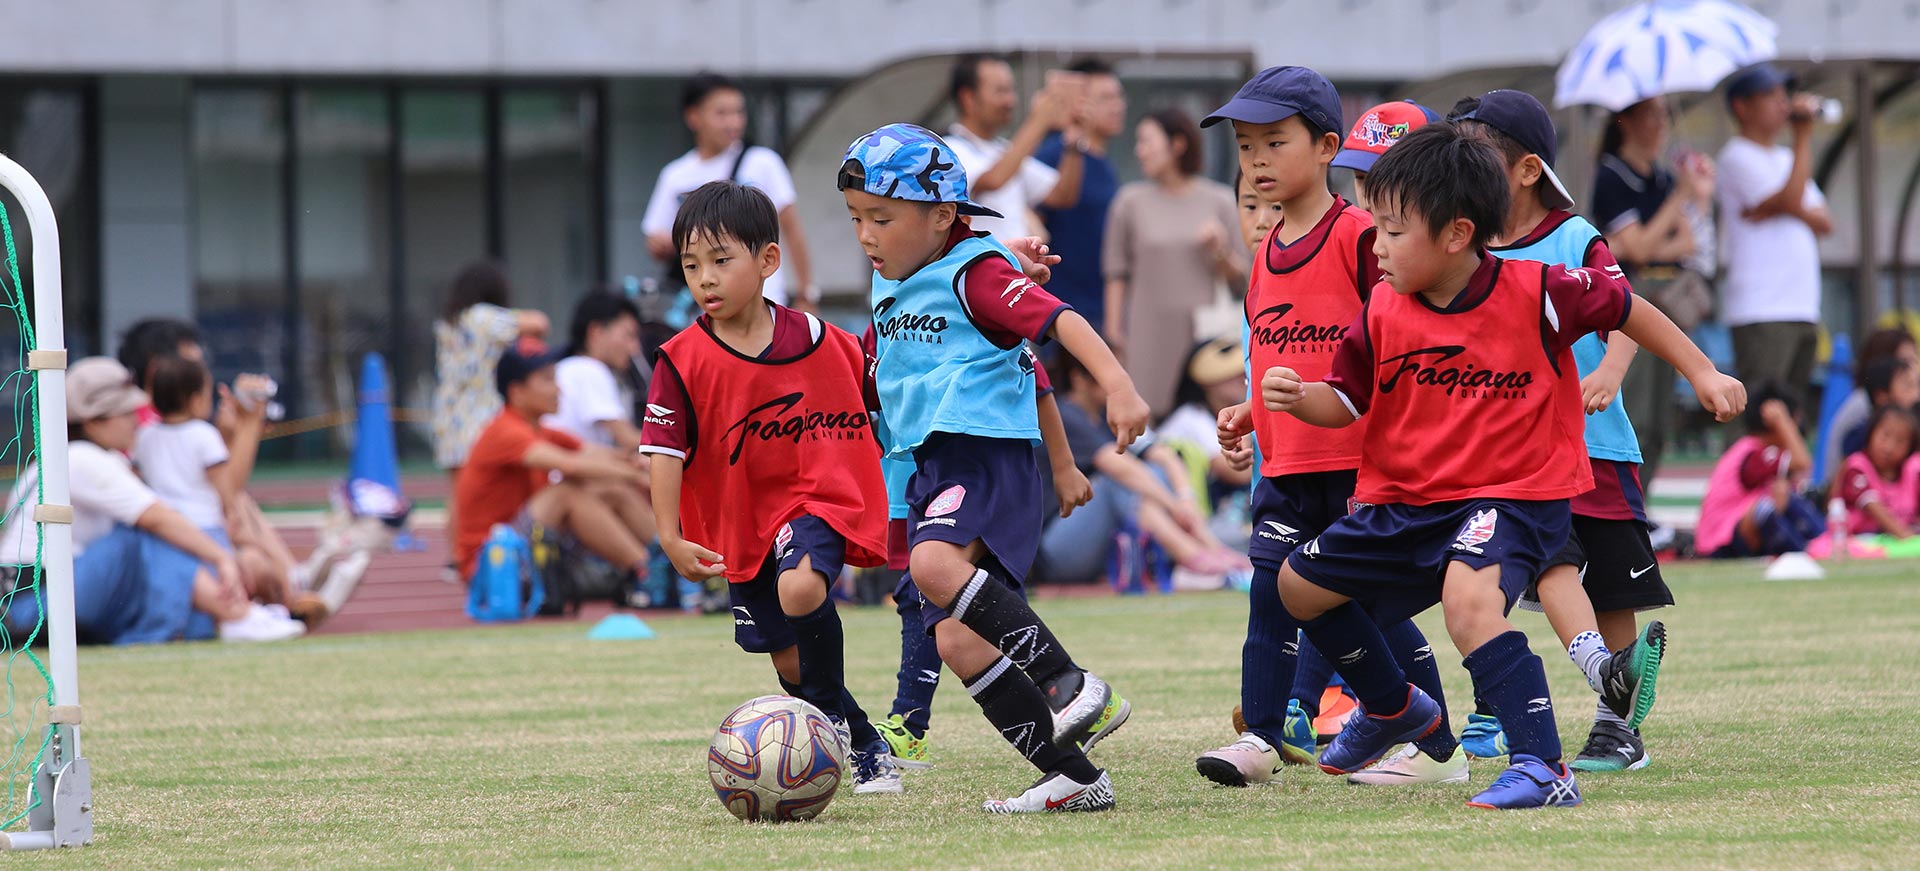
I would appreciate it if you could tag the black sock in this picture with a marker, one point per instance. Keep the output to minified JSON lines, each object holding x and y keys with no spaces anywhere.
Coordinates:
{"x":1348,"y":636}
{"x":995,"y":612}
{"x":1415,"y":656}
{"x":1269,"y":656}
{"x":823,"y":670}
{"x":1511,"y":678}
{"x":1014,"y":706}
{"x":1481,"y":707}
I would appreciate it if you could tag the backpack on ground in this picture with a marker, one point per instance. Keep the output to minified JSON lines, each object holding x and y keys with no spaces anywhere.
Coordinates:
{"x":506,"y":584}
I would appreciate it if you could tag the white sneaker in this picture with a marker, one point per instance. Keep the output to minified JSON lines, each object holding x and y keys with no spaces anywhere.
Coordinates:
{"x":875,"y":774}
{"x":1075,"y":721}
{"x":343,"y":577}
{"x":1057,"y":793}
{"x":1409,"y":766}
{"x":261,"y":624}
{"x":1245,"y":762}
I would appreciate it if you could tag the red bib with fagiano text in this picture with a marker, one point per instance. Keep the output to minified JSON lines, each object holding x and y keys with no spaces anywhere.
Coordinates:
{"x":1296,"y":317}
{"x":776,"y":439}
{"x":1469,"y":404}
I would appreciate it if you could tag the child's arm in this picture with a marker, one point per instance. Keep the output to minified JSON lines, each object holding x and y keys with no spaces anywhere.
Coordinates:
{"x":1787,"y":433}
{"x":1889,"y":524}
{"x":1316,"y":403}
{"x":1178,"y":477}
{"x":1235,"y":422}
{"x":581,"y":463}
{"x":692,"y":561}
{"x":1133,"y":473}
{"x":1719,"y":393}
{"x":1601,"y":385}
{"x":1069,"y":484}
{"x":1126,"y":411}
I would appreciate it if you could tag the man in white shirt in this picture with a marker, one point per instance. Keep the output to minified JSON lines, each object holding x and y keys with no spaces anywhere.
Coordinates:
{"x":596,"y":406}
{"x":1002,"y":174}
{"x":1772,"y":214}
{"x":715,"y":109}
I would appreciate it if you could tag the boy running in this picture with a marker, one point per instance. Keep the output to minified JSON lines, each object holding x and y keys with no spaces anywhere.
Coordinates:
{"x":756,"y":409}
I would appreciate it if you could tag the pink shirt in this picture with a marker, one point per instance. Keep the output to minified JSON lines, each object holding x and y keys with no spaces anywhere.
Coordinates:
{"x":1732,"y":490}
{"x":1861,"y":486}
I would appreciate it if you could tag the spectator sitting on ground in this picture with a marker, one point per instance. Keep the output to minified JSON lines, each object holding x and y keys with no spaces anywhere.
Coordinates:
{"x":596,"y":405}
{"x":508,"y":477}
{"x":1212,"y":379}
{"x":1881,"y":483}
{"x":1890,"y":382}
{"x":1881,"y":344}
{"x":1754,"y":505}
{"x":142,"y":572}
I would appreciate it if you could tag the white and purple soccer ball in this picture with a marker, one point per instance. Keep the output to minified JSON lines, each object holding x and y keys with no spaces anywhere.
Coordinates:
{"x":776,"y":759}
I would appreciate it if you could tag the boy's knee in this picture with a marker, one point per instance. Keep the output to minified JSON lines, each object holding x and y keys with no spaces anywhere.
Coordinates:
{"x":966,"y":653}
{"x":939,"y":569}
{"x":1474,"y":606}
{"x":1304,"y":599}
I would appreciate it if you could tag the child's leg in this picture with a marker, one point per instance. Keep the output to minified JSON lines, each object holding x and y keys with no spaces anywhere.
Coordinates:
{"x":808,"y":558}
{"x":1570,"y":613}
{"x":1311,"y":675}
{"x":1346,"y":634}
{"x":949,"y":576}
{"x":1010,"y":701}
{"x":1415,"y":657}
{"x":1505,"y":671}
{"x":1183,"y":546}
{"x":1269,"y":657}
{"x":919,"y":673}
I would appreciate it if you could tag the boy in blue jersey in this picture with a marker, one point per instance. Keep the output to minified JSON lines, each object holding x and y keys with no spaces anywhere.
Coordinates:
{"x":1608,"y":564}
{"x":951,"y":310}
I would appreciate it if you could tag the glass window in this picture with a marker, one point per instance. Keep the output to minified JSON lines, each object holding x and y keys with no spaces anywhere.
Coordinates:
{"x":443,"y":195}
{"x":550,"y":152}
{"x":43,"y":129}
{"x":240,"y":292}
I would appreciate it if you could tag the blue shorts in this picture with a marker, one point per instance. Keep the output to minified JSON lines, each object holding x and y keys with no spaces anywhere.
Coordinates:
{"x":759,"y":623}
{"x":1392,"y":558}
{"x":1289,"y":510}
{"x":972,"y":488}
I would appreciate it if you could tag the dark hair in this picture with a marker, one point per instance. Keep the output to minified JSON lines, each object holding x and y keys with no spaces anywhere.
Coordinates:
{"x":1177,"y":124}
{"x":702,"y":85}
{"x":176,"y":380}
{"x":1894,"y":411}
{"x":482,"y":281}
{"x":151,"y":338}
{"x":723,"y":209}
{"x":1091,"y":66}
{"x":1880,"y":374}
{"x":1444,"y":173}
{"x":1758,"y":397}
{"x":1062,"y":367}
{"x":1187,"y":391}
{"x":599,"y":307}
{"x":966,"y":73}
{"x":1878,"y":345}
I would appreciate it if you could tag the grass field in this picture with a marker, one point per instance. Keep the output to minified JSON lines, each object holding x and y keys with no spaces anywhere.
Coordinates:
{"x":1784,"y":738}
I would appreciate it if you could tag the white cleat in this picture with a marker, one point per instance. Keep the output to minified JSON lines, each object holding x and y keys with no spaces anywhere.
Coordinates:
{"x":1410,"y":766}
{"x":1076,"y":721}
{"x":1057,"y":793}
{"x":875,"y":774}
{"x":1245,"y":762}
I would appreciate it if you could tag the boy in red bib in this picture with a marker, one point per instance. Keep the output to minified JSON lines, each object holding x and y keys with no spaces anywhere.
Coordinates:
{"x":765,"y":465}
{"x":1465,"y":363}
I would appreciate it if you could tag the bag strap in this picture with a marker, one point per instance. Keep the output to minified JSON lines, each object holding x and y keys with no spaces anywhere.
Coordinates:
{"x":733,"y":175}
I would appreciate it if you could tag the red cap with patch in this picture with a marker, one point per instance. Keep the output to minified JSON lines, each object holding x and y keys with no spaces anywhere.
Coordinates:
{"x":1379,"y":128}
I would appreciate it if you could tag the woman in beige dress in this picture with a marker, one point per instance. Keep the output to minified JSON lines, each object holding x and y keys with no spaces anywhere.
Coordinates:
{"x":1168,"y":246}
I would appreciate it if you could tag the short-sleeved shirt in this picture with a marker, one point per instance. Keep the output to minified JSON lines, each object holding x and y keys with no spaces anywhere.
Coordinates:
{"x":1773,"y":264}
{"x":590,"y":395}
{"x":103,"y":488}
{"x":1860,"y":485}
{"x":1193,"y":424}
{"x":1623,"y":197}
{"x":496,"y":482}
{"x":1078,"y":234}
{"x":174,"y":458}
{"x":1025,"y":190}
{"x":670,"y":426}
{"x":761,"y":168}
{"x":1086,"y":436}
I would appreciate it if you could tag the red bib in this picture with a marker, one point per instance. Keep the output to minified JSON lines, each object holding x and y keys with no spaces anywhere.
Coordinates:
{"x":1296,"y":319}
{"x":1468,"y":404}
{"x":776,"y":439}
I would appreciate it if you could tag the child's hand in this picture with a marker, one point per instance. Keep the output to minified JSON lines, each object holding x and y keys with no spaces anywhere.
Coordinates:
{"x":1774,"y":414}
{"x":1127,"y":416}
{"x":693,"y":562}
{"x":1281,"y":389}
{"x":1234,"y":423}
{"x":1240,"y":455}
{"x":1072,"y":488}
{"x":1036,"y":259}
{"x":1726,"y":397}
{"x":1598,"y":390}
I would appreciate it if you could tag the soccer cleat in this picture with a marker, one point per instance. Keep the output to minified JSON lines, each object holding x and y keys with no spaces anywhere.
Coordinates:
{"x":1299,"y":745}
{"x":1074,"y":716}
{"x":909,"y":753}
{"x":1111,"y":718}
{"x":1483,"y":738}
{"x":1367,"y":738}
{"x":874,"y":772}
{"x":1628,"y":678}
{"x":1057,"y":793}
{"x":1529,"y":783}
{"x":1245,"y":762}
{"x":1611,"y":748}
{"x":1412,"y":766}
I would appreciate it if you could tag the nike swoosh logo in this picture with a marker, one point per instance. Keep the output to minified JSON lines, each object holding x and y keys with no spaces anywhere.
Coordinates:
{"x":1636,"y":575}
{"x":1056,"y":805}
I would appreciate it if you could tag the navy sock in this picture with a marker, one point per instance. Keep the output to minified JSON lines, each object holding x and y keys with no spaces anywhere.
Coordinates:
{"x":1268,"y":656}
{"x":995,"y":612}
{"x":1415,"y":655}
{"x":1514,"y":682}
{"x":823,"y":670}
{"x":1311,"y":678}
{"x":1481,"y":707}
{"x":1014,"y":705}
{"x":919,"y":669}
{"x":1349,"y":637}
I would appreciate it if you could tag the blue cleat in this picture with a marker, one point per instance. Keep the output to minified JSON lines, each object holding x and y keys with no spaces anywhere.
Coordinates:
{"x":1483,"y":738}
{"x":1298,"y":743}
{"x":1529,"y":783}
{"x":1367,"y":738}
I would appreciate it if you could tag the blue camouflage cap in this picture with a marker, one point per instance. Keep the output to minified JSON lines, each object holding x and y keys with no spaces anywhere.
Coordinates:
{"x":910,"y":162}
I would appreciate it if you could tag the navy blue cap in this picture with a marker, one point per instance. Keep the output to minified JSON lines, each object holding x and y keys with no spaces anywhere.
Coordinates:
{"x":1523,"y":119}
{"x":1759,"y":78}
{"x":521,"y":361}
{"x":1279,"y":93}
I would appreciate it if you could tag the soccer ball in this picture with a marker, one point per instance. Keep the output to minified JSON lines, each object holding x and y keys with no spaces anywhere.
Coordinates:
{"x":776,"y":758}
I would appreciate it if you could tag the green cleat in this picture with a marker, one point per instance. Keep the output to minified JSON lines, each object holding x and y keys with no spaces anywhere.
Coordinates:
{"x":909,"y":753}
{"x":1630,"y":677}
{"x":1113,"y":717}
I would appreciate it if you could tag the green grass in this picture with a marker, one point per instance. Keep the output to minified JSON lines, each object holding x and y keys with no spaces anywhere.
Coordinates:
{"x":1784,"y":738}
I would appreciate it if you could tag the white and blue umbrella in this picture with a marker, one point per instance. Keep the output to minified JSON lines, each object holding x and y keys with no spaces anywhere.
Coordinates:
{"x":1662,"y":47}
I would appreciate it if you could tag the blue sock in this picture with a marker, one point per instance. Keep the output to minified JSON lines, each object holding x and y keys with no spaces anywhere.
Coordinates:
{"x":1267,"y":658}
{"x":919,"y":668}
{"x":823,"y":670}
{"x":1514,"y":682}
{"x":1349,"y":637}
{"x":1415,"y":655}
{"x":1311,"y":678}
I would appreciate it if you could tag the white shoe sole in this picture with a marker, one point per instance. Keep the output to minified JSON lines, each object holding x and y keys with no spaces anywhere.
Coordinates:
{"x":1072,"y":724}
{"x":884,"y":787}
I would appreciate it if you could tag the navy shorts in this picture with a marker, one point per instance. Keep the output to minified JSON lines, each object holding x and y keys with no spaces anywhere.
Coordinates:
{"x":969,"y":488}
{"x":1290,"y":510}
{"x":1392,"y":558}
{"x":759,"y":623}
{"x":1616,"y":563}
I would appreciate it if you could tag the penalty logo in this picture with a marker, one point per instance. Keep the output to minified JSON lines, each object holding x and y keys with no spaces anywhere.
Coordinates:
{"x":1279,"y":531}
{"x":947,"y":502}
{"x":1479,"y":531}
